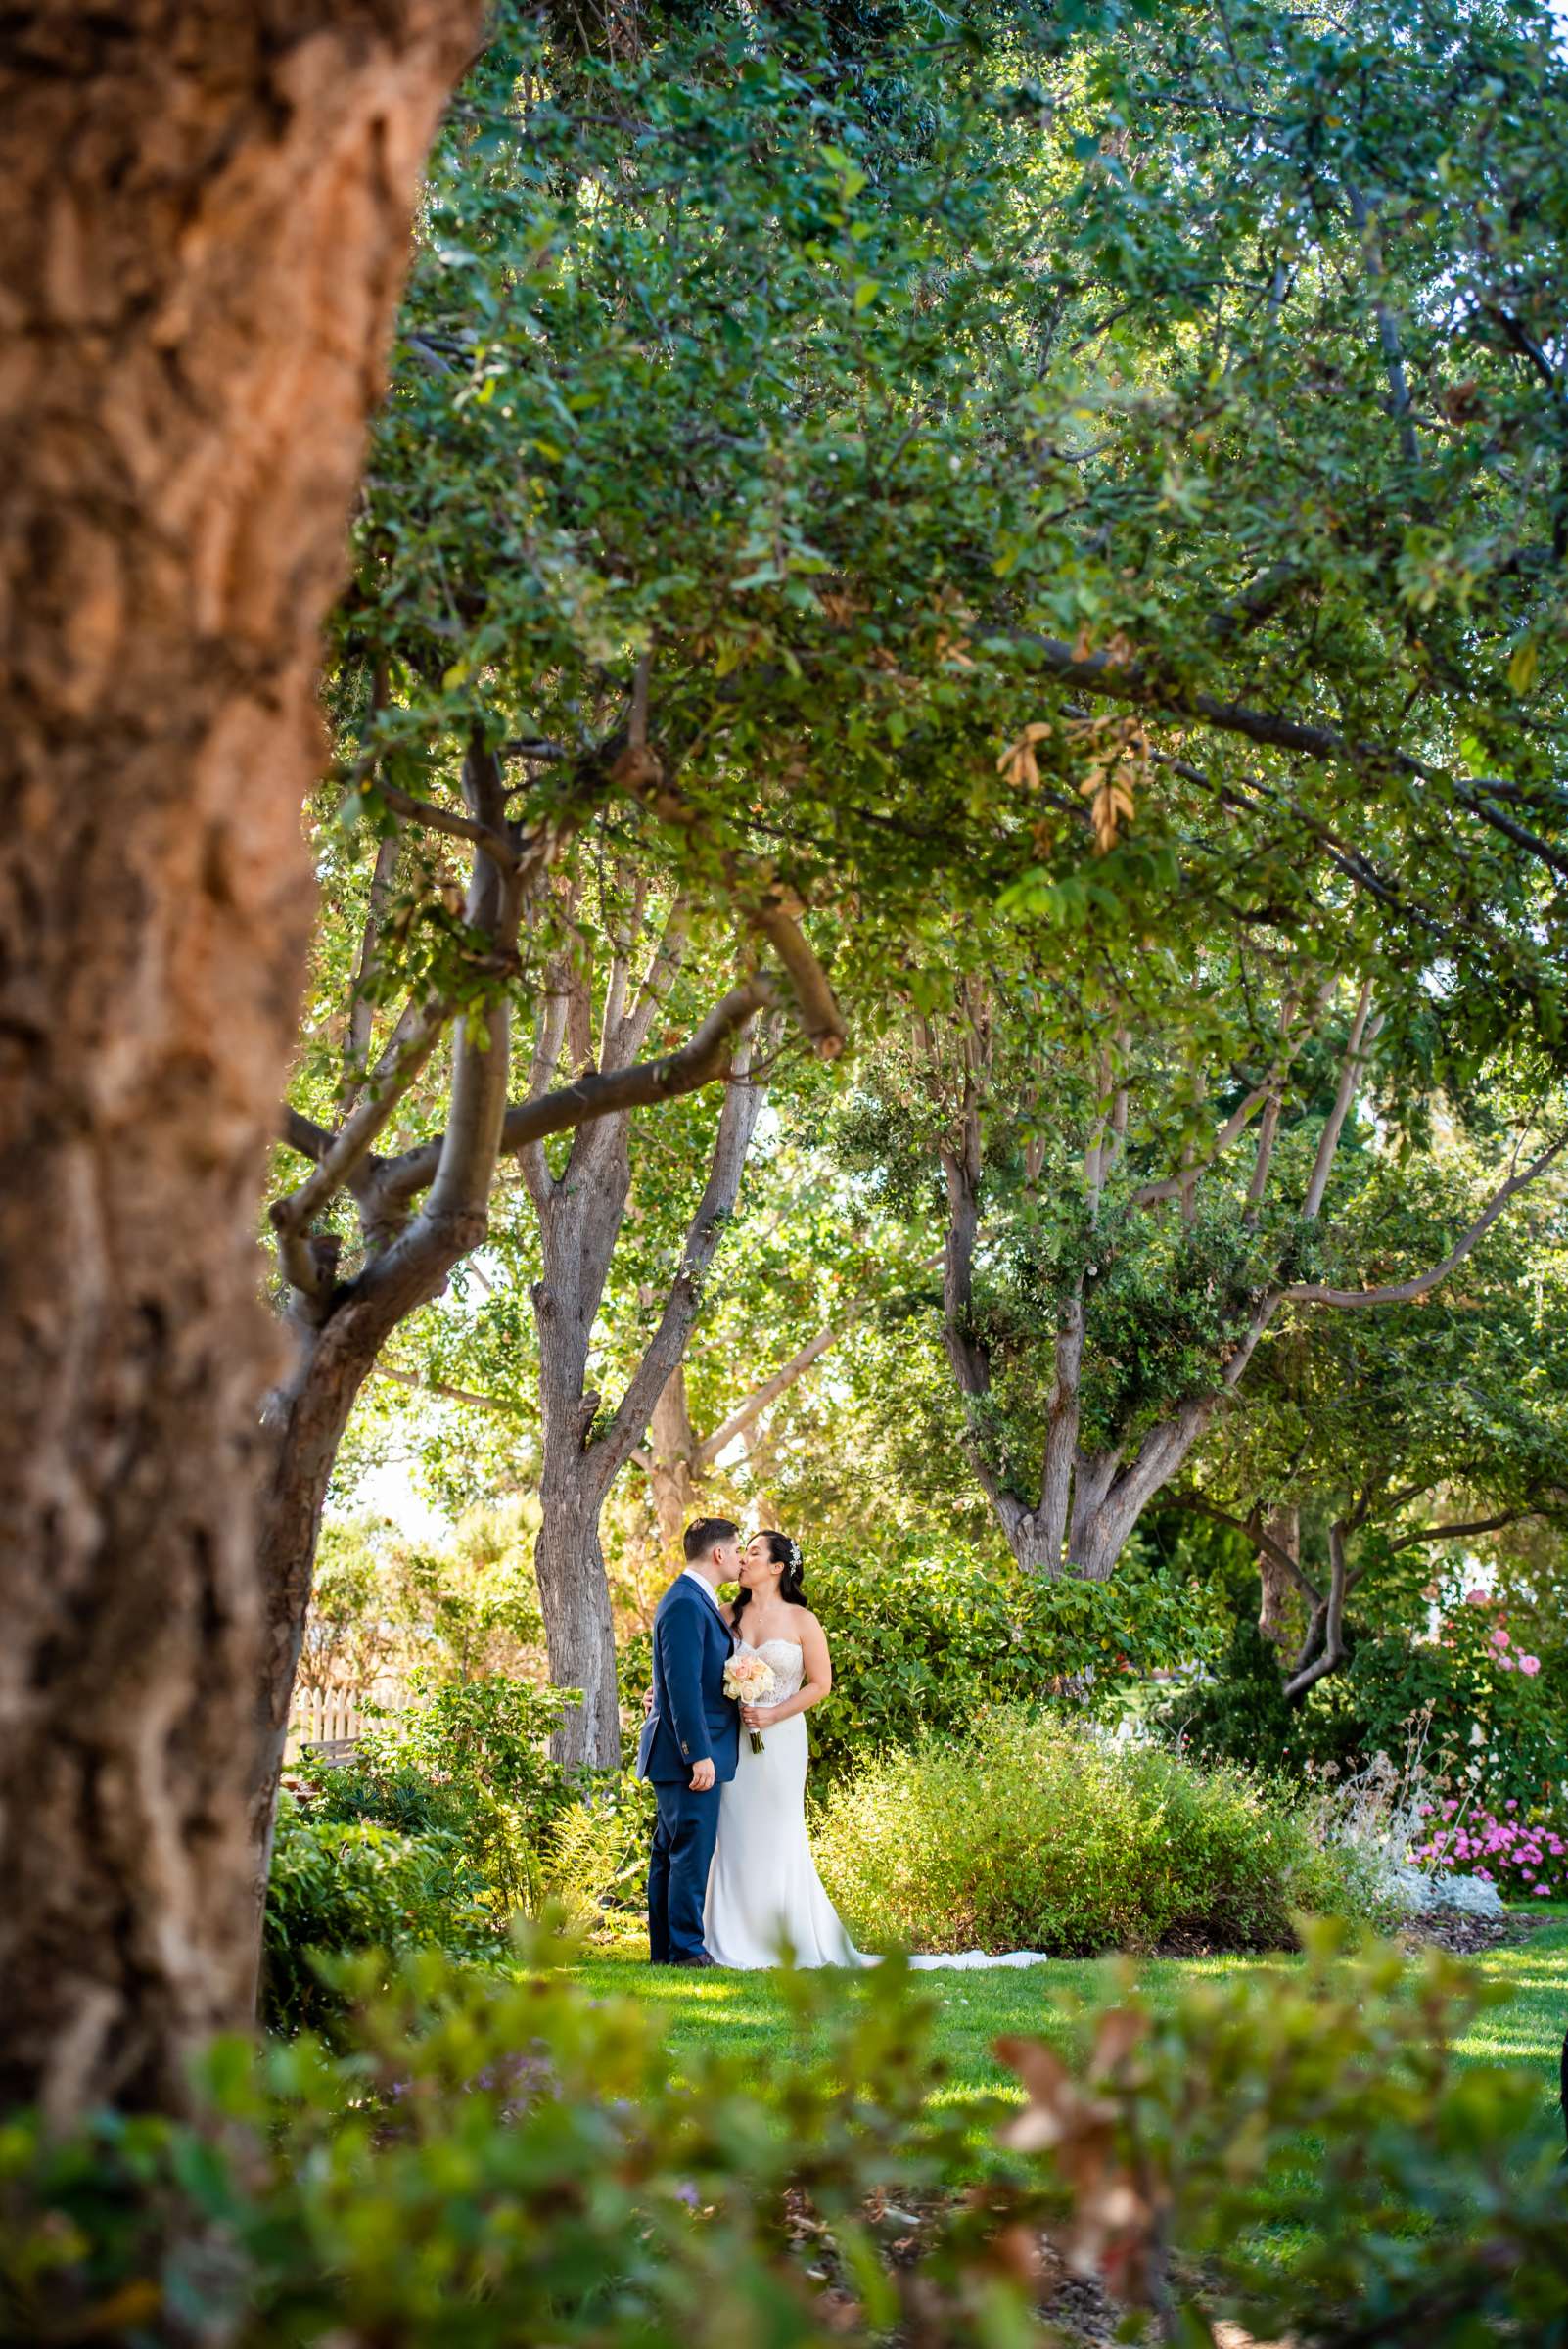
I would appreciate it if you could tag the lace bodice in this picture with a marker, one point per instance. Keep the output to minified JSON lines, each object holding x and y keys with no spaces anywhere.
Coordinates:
{"x":785,"y":1657}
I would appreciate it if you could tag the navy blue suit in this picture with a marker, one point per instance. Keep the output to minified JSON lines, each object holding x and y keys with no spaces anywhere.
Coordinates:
{"x":692,"y":1720}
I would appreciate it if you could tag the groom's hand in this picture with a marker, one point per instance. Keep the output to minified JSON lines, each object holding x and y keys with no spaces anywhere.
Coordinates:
{"x":701,"y":1776}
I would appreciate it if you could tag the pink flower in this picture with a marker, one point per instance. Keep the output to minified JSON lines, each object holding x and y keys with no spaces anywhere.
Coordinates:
{"x":1512,"y":1802}
{"x":1475,"y":1598}
{"x":1530,"y":1665}
{"x":1500,"y":1637}
{"x":1543,"y":1892}
{"x":1506,"y":1663}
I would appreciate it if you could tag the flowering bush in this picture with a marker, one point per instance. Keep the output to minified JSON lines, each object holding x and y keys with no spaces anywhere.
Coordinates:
{"x":1522,"y":1849}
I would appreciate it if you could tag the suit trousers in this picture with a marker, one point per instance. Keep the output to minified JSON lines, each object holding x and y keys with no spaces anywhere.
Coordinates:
{"x":683,"y":1840}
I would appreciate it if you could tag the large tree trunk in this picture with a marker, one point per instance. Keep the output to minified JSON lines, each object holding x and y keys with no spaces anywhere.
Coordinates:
{"x":306,"y":1420}
{"x":579,"y":1223}
{"x":579,"y":1624}
{"x":1279,"y":1611}
{"x":672,"y":1462}
{"x":205,"y":232}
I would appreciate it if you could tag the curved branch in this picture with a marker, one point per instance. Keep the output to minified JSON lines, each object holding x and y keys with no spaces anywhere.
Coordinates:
{"x":347,"y":1149}
{"x":1150,"y":1194}
{"x":1252,"y":1527}
{"x":488,"y":837}
{"x":1407,"y":1292}
{"x":602,"y":1092}
{"x":1452,"y":1532}
{"x":1332,"y":1653}
{"x":820,"y":1016}
{"x":1365,"y":1030}
{"x":300,"y":1133}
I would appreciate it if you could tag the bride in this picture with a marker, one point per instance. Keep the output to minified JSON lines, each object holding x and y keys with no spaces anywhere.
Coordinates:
{"x":763,"y":1891}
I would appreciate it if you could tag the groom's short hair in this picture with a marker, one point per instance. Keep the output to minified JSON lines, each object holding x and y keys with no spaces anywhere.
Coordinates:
{"x":705,"y":1534}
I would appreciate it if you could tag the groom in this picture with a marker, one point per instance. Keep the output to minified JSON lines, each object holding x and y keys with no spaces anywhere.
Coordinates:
{"x":690,"y":1741}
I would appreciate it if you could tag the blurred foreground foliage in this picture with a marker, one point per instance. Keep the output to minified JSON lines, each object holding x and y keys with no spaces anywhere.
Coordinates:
{"x":488,"y":2161}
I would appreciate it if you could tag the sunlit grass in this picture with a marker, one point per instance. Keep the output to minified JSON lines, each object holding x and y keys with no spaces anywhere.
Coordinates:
{"x":746,"y":2014}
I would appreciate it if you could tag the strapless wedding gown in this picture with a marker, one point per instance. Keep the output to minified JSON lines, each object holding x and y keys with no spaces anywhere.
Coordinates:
{"x":763,"y":1891}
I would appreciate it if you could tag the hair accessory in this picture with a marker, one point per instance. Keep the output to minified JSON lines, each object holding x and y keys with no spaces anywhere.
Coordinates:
{"x":794,"y":1553}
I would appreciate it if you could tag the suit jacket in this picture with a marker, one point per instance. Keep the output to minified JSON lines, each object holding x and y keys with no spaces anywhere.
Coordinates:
{"x":692,"y":1719}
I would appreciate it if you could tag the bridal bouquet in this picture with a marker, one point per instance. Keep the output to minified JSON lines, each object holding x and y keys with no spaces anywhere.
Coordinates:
{"x":750,"y":1681}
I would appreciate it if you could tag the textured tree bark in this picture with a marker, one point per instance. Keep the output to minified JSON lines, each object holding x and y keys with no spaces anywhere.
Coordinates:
{"x":672,"y":1469}
{"x":1279,"y":1608}
{"x":205,"y":232}
{"x":307,"y":1419}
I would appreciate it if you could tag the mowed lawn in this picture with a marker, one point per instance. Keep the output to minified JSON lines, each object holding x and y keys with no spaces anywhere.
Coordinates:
{"x":748,"y":2015}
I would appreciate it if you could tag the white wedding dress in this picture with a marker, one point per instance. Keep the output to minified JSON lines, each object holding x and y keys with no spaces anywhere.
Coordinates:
{"x":763,"y":1891}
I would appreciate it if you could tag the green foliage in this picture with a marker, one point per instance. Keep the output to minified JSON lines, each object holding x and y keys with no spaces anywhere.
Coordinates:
{"x":354,"y":1884}
{"x":492,"y":1732}
{"x":1302,"y":2155}
{"x":1239,"y":1713}
{"x":928,"y":1641}
{"x":465,"y":1760}
{"x":595,"y":1855}
{"x":460,"y":1609}
{"x":490,"y":2164}
{"x":1487,"y":1722}
{"x":487,"y":2163}
{"x":1031,"y":1832}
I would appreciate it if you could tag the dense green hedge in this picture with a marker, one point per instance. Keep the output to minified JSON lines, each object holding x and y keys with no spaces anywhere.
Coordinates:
{"x":1029,"y":1832}
{"x":927,"y":1643}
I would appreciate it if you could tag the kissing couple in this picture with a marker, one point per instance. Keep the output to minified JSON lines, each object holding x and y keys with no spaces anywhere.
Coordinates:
{"x":731,"y":1880}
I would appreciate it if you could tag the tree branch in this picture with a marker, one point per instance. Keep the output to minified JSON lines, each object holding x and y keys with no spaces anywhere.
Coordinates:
{"x":300,"y":1133}
{"x":1173,"y":1186}
{"x":347,"y":1149}
{"x":1332,"y":1653}
{"x":743,"y":1102}
{"x":820,"y":1016}
{"x":1406,"y":1292}
{"x":437,"y":1386}
{"x":1252,"y":1527}
{"x":492,"y":838}
{"x":1452,"y":1532}
{"x":1344,"y":1094}
{"x":465,"y":1169}
{"x":602,"y":1093}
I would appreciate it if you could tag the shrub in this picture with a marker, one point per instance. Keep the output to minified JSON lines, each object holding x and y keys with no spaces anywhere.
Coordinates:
{"x":493,"y":1732}
{"x":1482,"y":1696}
{"x":488,"y":2163}
{"x":595,"y":1855}
{"x":1032,"y":1832}
{"x":469,"y":1760}
{"x":1302,"y":2155}
{"x":927,"y":1642}
{"x":1521,"y":1847}
{"x":348,"y":1884}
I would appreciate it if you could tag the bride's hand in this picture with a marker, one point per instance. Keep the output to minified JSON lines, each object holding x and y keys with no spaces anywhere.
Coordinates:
{"x":757,"y":1717}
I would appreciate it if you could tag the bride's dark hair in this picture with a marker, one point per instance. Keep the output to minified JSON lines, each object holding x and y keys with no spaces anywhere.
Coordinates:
{"x":784,"y":1552}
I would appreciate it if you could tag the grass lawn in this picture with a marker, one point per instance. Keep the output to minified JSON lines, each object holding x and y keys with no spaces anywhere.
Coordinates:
{"x":745,"y":2010}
